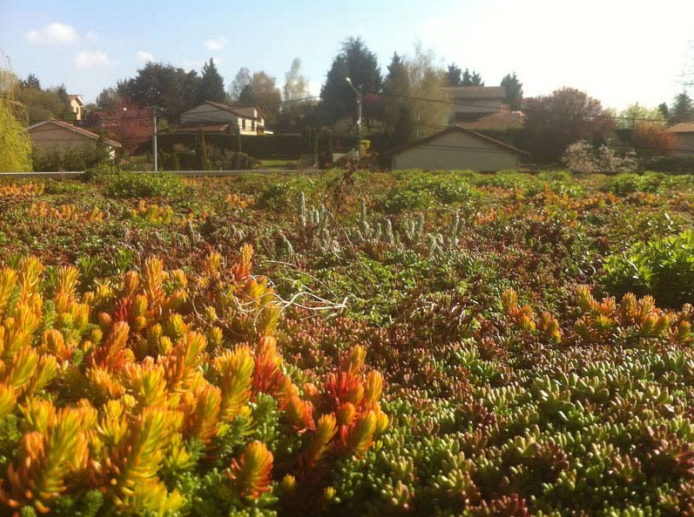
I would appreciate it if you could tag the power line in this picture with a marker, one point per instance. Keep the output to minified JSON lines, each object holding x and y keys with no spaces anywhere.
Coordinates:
{"x":212,"y":109}
{"x":455,"y":103}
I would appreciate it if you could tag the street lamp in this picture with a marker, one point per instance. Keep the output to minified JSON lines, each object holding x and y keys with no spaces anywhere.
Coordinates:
{"x":358,"y":94}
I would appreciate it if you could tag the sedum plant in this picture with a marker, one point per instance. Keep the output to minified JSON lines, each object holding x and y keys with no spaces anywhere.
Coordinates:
{"x":131,"y":391}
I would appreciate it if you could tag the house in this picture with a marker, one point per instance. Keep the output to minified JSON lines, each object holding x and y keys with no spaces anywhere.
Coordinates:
{"x":481,"y":108}
{"x":457,"y":148}
{"x":500,"y":121}
{"x":75,"y":112}
{"x":214,"y":117}
{"x":55,"y":134}
{"x":684,"y":138}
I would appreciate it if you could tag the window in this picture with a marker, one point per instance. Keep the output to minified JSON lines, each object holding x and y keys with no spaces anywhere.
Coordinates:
{"x":243,"y":124}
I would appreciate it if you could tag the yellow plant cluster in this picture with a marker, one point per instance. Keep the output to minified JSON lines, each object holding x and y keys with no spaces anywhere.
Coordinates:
{"x":66,"y":212}
{"x":111,"y":385}
{"x":26,"y":189}
{"x":152,"y":213}
{"x":238,"y":201}
{"x":604,"y":318}
{"x":524,"y":317}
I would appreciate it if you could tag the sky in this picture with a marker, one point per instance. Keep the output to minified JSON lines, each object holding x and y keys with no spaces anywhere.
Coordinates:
{"x":618,"y":51}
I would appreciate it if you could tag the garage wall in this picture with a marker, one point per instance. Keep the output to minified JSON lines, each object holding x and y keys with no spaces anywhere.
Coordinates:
{"x":684,"y":143}
{"x":51,"y":136}
{"x":456,"y":151}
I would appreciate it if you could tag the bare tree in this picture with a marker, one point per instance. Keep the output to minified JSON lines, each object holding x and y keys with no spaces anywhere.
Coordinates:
{"x":427,"y":81}
{"x":688,"y":72}
{"x":296,"y":85}
{"x":242,"y":80}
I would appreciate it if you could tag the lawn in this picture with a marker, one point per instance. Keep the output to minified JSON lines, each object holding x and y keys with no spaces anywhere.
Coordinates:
{"x":278,"y":164}
{"x":379,"y":344}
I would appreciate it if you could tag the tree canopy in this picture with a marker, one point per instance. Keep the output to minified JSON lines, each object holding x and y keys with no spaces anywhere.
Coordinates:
{"x":242,"y":79}
{"x":262,"y":91}
{"x":682,"y":109}
{"x":358,"y":63}
{"x":555,"y":121}
{"x":108,"y":98}
{"x":636,"y":113}
{"x":295,"y":84}
{"x":454,"y":75}
{"x":15,"y":142}
{"x":31,"y":82}
{"x":514,"y":90}
{"x":471,"y":79}
{"x":172,"y":89}
{"x":211,"y":84}
{"x":426,"y":82}
{"x":395,"y":107}
{"x":127,"y":123}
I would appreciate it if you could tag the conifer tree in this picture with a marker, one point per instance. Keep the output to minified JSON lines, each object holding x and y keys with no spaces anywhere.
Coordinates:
{"x":682,"y":110}
{"x":453,"y":75}
{"x":514,"y":90}
{"x":211,"y":84}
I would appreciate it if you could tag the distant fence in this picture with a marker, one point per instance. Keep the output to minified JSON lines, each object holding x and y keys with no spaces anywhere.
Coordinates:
{"x":265,"y":147}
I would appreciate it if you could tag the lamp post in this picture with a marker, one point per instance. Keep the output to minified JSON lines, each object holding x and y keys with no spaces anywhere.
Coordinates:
{"x":155,"y":151}
{"x":358,"y":94}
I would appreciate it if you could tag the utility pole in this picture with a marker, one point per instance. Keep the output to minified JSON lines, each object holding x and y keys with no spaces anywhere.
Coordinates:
{"x":155,"y":153}
{"x":358,"y":94}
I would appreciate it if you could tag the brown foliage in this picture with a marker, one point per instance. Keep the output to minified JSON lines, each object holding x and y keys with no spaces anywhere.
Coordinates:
{"x":651,"y":139}
{"x":555,"y":121}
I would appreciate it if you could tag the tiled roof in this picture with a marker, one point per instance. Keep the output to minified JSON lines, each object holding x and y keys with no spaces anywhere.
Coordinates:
{"x":74,"y":129}
{"x":476,"y":92}
{"x":452,"y":129}
{"x":497,"y":121}
{"x":230,"y":109}
{"x":682,"y":127}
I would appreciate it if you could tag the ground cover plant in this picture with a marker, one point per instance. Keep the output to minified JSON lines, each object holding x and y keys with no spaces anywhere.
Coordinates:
{"x":347,"y":344}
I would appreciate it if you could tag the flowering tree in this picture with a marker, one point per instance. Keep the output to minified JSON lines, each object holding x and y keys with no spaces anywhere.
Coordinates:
{"x":581,"y":157}
{"x":126,"y":123}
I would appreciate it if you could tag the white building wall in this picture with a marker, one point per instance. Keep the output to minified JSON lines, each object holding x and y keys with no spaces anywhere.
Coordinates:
{"x":456,"y":151}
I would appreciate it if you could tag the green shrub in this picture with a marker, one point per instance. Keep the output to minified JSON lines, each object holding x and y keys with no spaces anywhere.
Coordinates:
{"x":129,"y":184}
{"x":423,"y":190}
{"x":100,"y":173}
{"x":63,"y":187}
{"x":404,"y":198}
{"x":624,"y":184}
{"x":71,"y":159}
{"x":507,"y":180}
{"x":663,"y":268}
{"x":275,"y":196}
{"x":679,"y":163}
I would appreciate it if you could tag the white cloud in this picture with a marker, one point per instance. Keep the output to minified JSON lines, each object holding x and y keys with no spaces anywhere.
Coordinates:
{"x":55,"y":33}
{"x":90,"y":59}
{"x":144,"y":56}
{"x":215,"y":43}
{"x":92,"y":36}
